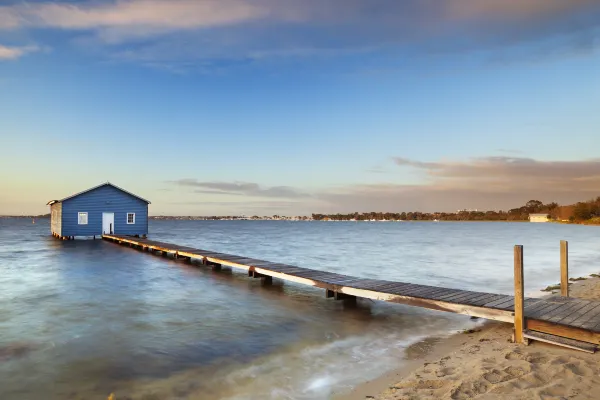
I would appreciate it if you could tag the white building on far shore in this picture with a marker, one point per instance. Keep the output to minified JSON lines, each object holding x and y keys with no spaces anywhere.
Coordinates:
{"x":538,"y":217}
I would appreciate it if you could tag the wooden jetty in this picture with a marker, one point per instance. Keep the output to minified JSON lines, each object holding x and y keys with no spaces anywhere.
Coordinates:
{"x":561,"y":320}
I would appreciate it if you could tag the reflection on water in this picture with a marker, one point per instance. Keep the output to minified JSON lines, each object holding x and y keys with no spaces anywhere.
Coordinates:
{"x":81,"y":319}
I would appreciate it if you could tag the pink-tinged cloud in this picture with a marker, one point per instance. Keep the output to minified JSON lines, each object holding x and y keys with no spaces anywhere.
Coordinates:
{"x":507,"y":9}
{"x":177,"y":34}
{"x":155,"y":16}
{"x":482,"y":183}
{"x":159,"y":15}
{"x":13,"y":53}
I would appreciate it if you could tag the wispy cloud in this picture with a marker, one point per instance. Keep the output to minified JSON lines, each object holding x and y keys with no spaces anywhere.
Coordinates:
{"x":13,"y":53}
{"x":484,"y":183}
{"x":138,"y":17}
{"x":244,"y":29}
{"x":512,"y":172}
{"x":242,"y":188}
{"x":413,"y":163}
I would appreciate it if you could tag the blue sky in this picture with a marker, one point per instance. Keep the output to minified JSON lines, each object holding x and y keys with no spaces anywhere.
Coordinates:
{"x":286,"y":107}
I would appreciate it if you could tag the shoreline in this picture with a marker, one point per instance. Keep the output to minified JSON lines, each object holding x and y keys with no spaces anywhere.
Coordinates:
{"x":483,"y":361}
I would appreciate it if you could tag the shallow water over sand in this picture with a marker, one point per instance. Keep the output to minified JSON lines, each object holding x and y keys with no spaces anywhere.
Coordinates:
{"x":82,"y":319}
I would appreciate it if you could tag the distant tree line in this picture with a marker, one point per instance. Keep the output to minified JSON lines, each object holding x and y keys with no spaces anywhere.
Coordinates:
{"x":515,"y":214}
{"x":586,"y":210}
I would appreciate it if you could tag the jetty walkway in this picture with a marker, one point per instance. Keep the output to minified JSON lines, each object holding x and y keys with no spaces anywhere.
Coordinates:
{"x":565,"y":321}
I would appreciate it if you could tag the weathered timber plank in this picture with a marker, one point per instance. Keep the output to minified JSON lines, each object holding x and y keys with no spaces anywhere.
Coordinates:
{"x":386,"y":287}
{"x":592,"y":320}
{"x":581,"y":316}
{"x":587,"y":321}
{"x":314,"y":273}
{"x":484,"y":299}
{"x":502,"y":299}
{"x":367,"y":284}
{"x":458,"y":292}
{"x":372,"y":284}
{"x":469,"y":300}
{"x":323,"y":277}
{"x":529,"y":309}
{"x":558,"y":317}
{"x":289,"y":269}
{"x":441,"y":292}
{"x":564,"y":331}
{"x":436,"y":293}
{"x":509,"y":305}
{"x":560,"y":341}
{"x":562,"y":311}
{"x":415,"y":290}
{"x":537,"y":307}
{"x":545,"y":310}
{"x":493,"y":297}
{"x":419,"y":291}
{"x":457,"y":298}
{"x":393,"y":287}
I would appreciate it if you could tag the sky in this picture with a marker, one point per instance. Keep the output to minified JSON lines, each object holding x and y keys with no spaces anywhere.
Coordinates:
{"x":288,"y":107}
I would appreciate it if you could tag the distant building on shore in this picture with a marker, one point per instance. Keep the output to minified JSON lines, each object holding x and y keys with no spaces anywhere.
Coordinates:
{"x":103,"y":209}
{"x":538,"y":217}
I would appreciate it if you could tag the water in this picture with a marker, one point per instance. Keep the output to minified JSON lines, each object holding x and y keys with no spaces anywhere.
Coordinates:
{"x":82,"y":319}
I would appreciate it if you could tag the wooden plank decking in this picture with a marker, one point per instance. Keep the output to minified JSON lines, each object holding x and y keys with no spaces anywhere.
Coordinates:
{"x":564,"y":316}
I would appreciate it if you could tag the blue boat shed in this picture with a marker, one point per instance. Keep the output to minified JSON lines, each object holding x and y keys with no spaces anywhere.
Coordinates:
{"x":103,"y":209}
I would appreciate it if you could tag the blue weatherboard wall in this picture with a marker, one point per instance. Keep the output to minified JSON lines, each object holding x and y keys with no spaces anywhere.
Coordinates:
{"x":104,"y":199}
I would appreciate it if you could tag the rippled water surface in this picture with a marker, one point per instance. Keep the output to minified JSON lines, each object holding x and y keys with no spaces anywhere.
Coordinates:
{"x":81,"y":319}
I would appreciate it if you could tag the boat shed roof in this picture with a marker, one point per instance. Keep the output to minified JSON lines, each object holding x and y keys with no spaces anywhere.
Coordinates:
{"x":94,"y":188}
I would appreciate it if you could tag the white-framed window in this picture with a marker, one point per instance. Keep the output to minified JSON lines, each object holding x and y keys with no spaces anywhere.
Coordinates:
{"x":82,"y":218}
{"x":130,"y":218}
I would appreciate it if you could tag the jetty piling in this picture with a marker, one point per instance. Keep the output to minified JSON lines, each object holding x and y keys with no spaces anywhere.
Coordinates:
{"x":564,"y":268}
{"x":519,"y":295}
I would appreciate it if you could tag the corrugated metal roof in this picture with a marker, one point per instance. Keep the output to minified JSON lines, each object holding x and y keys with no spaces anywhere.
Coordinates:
{"x":94,"y":188}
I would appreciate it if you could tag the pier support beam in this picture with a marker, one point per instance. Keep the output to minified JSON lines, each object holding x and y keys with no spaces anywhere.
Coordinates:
{"x":338,"y":295}
{"x":564,"y":268}
{"x":266,"y":279}
{"x":519,"y":296}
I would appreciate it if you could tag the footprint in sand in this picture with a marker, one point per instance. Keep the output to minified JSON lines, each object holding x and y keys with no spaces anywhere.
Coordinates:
{"x":468,"y":390}
{"x":445,"y":372}
{"x":514,"y":355}
{"x":534,"y":380}
{"x":561,"y":360}
{"x":497,"y":376}
{"x":422,"y":384}
{"x":478,"y":387}
{"x":554,"y":391}
{"x":533,"y":358}
{"x":578,"y":369}
{"x":537,"y":358}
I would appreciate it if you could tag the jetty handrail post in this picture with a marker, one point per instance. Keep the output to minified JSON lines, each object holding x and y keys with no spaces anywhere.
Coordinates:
{"x":519,"y":295}
{"x":564,"y":268}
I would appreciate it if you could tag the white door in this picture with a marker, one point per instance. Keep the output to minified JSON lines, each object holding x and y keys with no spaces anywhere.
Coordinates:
{"x":108,"y":223}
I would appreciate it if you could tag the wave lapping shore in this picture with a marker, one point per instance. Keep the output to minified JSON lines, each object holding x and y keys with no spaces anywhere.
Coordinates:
{"x":484,"y":364}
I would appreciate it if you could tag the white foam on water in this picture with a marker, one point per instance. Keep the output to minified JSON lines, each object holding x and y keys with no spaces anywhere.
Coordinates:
{"x":318,"y":371}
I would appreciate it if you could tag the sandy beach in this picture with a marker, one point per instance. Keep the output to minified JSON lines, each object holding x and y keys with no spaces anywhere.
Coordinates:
{"x":484,"y":364}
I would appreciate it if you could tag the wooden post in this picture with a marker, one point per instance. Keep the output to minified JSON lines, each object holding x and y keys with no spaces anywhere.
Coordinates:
{"x":519,"y":298}
{"x":267,"y":280}
{"x":564,"y":268}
